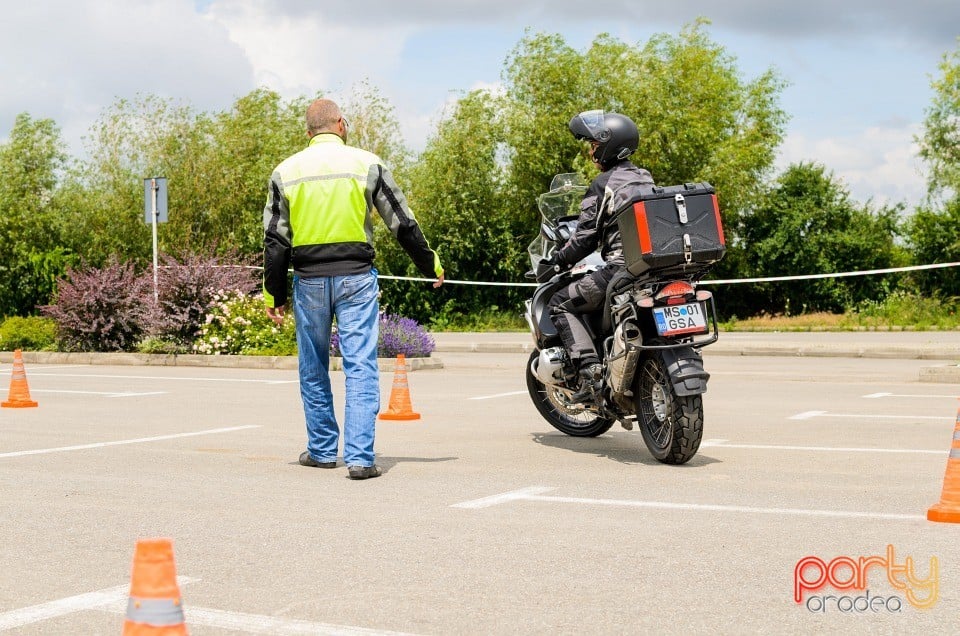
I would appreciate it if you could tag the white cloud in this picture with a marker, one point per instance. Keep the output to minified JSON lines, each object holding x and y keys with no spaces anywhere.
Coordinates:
{"x":304,"y":54}
{"x":878,"y":163}
{"x":71,"y":60}
{"x":926,"y":22}
{"x":417,"y":127}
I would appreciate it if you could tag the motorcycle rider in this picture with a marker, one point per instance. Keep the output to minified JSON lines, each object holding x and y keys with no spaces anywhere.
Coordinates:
{"x":613,"y":138}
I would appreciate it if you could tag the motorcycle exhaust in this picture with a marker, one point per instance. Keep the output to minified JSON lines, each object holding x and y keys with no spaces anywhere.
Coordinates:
{"x":623,"y":356}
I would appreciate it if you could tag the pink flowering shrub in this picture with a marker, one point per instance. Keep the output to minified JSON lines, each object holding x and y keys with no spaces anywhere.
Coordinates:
{"x":186,"y":291}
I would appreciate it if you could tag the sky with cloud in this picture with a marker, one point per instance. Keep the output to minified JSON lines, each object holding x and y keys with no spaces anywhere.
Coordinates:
{"x":859,"y":71}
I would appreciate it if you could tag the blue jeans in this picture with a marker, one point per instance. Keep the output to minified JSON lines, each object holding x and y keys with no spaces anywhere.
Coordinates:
{"x":353,"y":300}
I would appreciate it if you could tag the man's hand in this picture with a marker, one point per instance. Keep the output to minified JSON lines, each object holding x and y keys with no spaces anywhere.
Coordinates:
{"x":438,"y":282}
{"x":276,"y":314}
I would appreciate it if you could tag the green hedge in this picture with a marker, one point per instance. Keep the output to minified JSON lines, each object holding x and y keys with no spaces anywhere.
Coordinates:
{"x":34,"y":333}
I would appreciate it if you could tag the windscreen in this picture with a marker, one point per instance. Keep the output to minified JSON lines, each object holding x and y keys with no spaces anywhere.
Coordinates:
{"x":563,"y":199}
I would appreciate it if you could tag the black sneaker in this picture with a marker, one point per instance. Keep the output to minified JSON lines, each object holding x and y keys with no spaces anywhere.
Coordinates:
{"x":364,"y":472}
{"x":307,"y":460}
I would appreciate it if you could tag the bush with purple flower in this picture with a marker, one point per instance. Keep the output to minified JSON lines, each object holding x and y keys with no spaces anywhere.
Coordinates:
{"x":397,"y":335}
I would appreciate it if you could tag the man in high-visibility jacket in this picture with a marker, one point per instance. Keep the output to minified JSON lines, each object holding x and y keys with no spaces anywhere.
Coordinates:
{"x":318,"y":218}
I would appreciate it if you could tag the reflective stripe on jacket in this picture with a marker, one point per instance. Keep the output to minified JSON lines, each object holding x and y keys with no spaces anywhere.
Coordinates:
{"x":318,"y":216}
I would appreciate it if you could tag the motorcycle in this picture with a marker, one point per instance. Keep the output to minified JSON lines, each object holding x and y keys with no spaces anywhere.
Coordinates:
{"x":649,"y":334}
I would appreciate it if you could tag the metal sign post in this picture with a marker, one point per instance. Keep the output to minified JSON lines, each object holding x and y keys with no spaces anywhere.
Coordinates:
{"x":155,"y":210}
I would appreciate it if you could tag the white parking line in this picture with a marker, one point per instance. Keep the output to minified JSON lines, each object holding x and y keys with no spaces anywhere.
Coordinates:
{"x":114,"y":600}
{"x":874,"y":396}
{"x":110,"y":394}
{"x":141,"y":440}
{"x":156,"y":377}
{"x":15,"y":619}
{"x":48,"y":367}
{"x":490,"y":397}
{"x":486,"y":502}
{"x":260,"y":624}
{"x":806,"y":415}
{"x":722,"y":443}
{"x":532,"y":494}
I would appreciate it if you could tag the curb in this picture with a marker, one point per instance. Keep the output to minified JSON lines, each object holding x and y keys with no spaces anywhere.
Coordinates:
{"x":194,"y":360}
{"x":905,"y":352}
{"x":945,"y":373}
{"x":485,"y":347}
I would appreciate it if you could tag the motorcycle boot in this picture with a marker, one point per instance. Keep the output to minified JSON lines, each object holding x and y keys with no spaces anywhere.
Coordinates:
{"x":590,"y":376}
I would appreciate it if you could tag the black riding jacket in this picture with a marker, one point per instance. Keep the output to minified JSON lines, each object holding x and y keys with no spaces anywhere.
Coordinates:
{"x":597,"y":226}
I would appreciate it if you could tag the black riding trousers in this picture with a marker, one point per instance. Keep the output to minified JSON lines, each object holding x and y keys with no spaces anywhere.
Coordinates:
{"x":569,"y":308}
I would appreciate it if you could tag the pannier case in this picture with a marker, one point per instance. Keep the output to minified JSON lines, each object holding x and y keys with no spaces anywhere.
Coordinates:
{"x":676,"y":228}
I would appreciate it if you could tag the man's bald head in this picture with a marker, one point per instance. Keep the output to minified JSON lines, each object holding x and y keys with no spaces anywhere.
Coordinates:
{"x":323,"y":115}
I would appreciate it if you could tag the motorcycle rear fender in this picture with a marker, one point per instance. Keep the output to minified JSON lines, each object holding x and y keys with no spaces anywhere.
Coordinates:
{"x":685,"y":368}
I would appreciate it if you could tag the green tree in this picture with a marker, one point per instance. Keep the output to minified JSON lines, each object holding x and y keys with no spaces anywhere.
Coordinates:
{"x":217,"y":166}
{"x":543,"y":84}
{"x":375,"y":128}
{"x":125,"y":145}
{"x":698,"y":119}
{"x":31,"y":257}
{"x":934,"y":230}
{"x":257,"y":133}
{"x":934,"y":237}
{"x":458,"y":204}
{"x":808,"y":224}
{"x":940,"y":143}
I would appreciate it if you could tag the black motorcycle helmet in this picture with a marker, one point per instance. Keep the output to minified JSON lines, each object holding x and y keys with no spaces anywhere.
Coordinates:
{"x":616,"y":135}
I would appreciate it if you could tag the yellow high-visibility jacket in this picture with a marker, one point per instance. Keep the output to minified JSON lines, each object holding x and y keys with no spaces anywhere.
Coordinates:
{"x":319,"y":216}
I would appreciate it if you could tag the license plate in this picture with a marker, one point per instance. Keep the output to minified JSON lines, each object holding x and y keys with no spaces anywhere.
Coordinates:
{"x":675,"y":320}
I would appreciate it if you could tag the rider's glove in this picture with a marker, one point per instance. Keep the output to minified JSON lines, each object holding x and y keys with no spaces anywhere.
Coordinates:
{"x":554,"y":262}
{"x":547,"y":268}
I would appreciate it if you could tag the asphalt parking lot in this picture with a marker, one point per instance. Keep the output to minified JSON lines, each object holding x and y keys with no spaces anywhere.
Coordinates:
{"x":486,"y":520}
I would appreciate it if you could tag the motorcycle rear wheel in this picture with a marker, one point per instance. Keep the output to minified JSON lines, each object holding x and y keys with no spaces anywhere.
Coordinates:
{"x":672,"y":425}
{"x":572,"y":419}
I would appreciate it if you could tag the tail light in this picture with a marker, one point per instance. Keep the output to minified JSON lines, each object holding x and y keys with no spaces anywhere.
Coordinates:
{"x":676,"y":292}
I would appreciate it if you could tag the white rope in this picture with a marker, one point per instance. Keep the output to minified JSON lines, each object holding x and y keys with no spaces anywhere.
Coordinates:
{"x":732,"y":281}
{"x":459,"y":282}
{"x":868,"y":272}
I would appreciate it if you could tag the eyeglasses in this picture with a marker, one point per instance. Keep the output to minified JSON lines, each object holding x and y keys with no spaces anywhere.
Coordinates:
{"x":346,"y":124}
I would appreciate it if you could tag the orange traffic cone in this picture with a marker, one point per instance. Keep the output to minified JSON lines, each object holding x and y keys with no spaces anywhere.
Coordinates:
{"x":948,"y":509}
{"x":154,"y":607}
{"x":19,"y":391}
{"x":400,"y":407}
